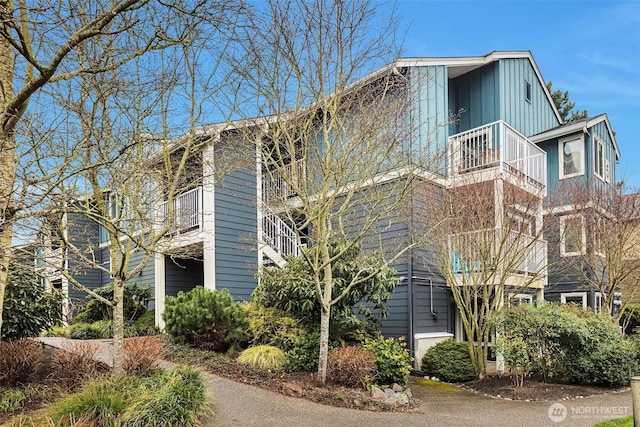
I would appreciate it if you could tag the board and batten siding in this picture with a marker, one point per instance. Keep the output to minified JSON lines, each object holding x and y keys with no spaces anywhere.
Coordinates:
{"x":529,"y":117}
{"x":475,"y":96}
{"x":429,"y":88}
{"x":236,"y":237}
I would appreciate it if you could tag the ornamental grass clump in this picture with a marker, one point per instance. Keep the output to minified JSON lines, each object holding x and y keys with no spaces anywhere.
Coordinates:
{"x":265,"y":357}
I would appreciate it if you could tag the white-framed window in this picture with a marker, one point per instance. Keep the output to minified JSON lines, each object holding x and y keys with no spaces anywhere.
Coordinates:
{"x":597,"y":302}
{"x":113,"y":205}
{"x":519,"y":299}
{"x":579,"y":298}
{"x":598,"y":158}
{"x":527,"y":91}
{"x":571,"y":156}
{"x":573,"y":236}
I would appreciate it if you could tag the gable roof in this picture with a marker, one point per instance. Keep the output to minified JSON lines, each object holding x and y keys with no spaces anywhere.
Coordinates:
{"x":577,"y":126}
{"x":456,"y":66}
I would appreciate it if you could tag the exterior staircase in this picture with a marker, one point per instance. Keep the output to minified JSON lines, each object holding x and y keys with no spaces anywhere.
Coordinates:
{"x":278,"y":238}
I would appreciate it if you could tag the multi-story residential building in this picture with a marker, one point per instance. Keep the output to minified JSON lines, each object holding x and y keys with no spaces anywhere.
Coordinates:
{"x":509,"y":139}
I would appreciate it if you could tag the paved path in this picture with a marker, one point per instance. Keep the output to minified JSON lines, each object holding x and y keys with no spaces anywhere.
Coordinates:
{"x":238,"y":404}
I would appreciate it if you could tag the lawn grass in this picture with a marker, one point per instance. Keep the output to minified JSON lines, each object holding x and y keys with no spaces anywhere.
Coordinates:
{"x":617,"y":422}
{"x":437,"y":385}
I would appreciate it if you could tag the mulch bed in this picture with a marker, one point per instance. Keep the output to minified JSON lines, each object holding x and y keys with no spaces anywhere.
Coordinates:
{"x":296,"y":384}
{"x":535,"y":389}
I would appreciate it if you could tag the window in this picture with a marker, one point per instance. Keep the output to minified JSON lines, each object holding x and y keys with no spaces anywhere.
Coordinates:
{"x":597,"y":302}
{"x":527,"y":91}
{"x":113,"y":205}
{"x":598,"y":158}
{"x":573,"y":237}
{"x":571,"y":157}
{"x":520,"y":299}
{"x":579,"y":298}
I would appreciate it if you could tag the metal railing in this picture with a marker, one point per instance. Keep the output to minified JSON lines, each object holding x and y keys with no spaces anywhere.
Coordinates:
{"x":279,"y":235}
{"x":274,"y":184}
{"x":510,"y":251}
{"x":187,"y":212}
{"x":497,"y":145}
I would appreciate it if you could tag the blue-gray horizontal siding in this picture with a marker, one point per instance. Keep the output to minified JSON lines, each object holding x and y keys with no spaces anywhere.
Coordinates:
{"x":83,"y":234}
{"x":236,"y":256}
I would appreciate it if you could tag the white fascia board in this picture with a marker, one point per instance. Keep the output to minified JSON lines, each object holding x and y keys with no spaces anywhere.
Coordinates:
{"x":559,"y":132}
{"x":600,"y":118}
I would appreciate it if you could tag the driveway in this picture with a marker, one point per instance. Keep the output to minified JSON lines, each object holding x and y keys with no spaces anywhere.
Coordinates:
{"x":238,"y":404}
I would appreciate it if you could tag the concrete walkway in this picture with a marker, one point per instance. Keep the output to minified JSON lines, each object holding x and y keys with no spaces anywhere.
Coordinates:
{"x":238,"y":404}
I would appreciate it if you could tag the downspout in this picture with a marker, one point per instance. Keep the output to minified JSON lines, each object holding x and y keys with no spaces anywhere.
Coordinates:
{"x":411,"y":337}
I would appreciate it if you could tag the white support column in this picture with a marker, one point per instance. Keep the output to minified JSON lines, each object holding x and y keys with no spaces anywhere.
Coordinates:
{"x":160,"y":288}
{"x":208,"y":215}
{"x":259,"y":202}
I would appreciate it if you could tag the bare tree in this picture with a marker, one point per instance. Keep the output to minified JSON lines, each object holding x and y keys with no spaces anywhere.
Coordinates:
{"x":597,"y":240}
{"x":336,"y":149}
{"x":101,"y":79}
{"x":489,"y":248}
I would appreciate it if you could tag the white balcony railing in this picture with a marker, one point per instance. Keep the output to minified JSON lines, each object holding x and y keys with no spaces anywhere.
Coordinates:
{"x":278,"y":234}
{"x":187,"y":212}
{"x":497,"y":145}
{"x":512,"y":252}
{"x":274,"y":185}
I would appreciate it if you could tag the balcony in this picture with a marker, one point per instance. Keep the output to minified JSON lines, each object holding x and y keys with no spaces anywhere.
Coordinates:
{"x":517,"y":255}
{"x":274,"y":184}
{"x":497,"y":146}
{"x":187,"y":212}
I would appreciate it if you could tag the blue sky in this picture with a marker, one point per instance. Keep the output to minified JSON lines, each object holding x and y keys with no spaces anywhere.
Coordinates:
{"x":590,"y":48}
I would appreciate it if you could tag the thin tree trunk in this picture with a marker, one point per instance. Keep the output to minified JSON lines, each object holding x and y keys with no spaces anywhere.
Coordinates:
{"x":325,"y":315}
{"x":118,"y":328}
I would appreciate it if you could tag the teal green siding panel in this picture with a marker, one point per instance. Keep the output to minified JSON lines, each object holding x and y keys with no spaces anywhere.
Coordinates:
{"x":429,"y":89}
{"x":475,"y":96}
{"x":528,"y":117}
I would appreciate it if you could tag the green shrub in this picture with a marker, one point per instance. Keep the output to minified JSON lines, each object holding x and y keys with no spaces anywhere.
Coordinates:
{"x":599,"y":355}
{"x":530,"y":337}
{"x":289,"y":289}
{"x":20,"y":361}
{"x":134,"y":298}
{"x":265,"y":357}
{"x":206,"y":318}
{"x":146,"y":324}
{"x":269,"y":325}
{"x":88,"y":331}
{"x":304,"y":353}
{"x":449,"y":360}
{"x":10,"y":400}
{"x":351,"y":366}
{"x":393,"y":361}
{"x":567,"y":341}
{"x":28,"y":308}
{"x":630,"y":320}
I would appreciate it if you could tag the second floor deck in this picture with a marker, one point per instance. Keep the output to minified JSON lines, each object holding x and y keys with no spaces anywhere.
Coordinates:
{"x":497,"y":146}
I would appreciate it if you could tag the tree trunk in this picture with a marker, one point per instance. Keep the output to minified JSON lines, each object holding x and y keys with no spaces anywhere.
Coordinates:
{"x":118,"y":328}
{"x":7,"y":167}
{"x":325,"y":315}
